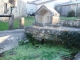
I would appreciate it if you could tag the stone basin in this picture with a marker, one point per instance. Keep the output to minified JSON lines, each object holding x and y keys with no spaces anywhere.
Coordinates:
{"x":46,"y":32}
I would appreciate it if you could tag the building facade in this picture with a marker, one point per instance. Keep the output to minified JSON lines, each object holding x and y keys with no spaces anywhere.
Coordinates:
{"x":65,"y":8}
{"x":35,"y":5}
{"x":18,"y":11}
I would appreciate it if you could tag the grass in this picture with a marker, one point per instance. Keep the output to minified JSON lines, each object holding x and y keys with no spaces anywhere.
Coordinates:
{"x":28,"y":22}
{"x":68,"y":18}
{"x":37,"y":52}
{"x":3,"y":26}
{"x":16,"y":23}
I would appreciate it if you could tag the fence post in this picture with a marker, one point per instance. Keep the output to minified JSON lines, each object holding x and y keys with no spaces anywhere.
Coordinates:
{"x":22,"y":22}
{"x":11,"y":22}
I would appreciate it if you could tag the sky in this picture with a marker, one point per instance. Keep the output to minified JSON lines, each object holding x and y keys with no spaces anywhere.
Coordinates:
{"x":57,"y":0}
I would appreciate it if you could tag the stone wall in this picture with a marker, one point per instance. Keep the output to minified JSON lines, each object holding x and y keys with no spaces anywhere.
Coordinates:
{"x":47,"y":32}
{"x":70,"y":23}
{"x":18,"y":11}
{"x":64,"y":8}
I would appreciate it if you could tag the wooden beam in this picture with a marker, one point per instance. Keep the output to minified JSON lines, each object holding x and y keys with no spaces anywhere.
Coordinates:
{"x":5,"y":15}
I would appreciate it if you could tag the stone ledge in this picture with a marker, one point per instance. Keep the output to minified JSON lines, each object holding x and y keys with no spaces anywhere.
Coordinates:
{"x":9,"y":39}
{"x":46,"y":32}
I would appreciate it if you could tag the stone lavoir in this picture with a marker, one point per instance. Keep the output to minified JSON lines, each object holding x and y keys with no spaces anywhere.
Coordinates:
{"x":46,"y":16}
{"x":48,"y":23}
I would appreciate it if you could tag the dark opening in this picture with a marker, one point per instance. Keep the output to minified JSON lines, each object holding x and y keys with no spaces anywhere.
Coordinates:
{"x":42,"y":41}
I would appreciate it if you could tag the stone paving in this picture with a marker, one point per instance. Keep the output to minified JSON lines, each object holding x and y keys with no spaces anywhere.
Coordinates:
{"x":9,"y":39}
{"x":77,"y":56}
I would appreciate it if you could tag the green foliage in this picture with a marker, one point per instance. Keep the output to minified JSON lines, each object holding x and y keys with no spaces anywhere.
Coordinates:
{"x":31,"y":38}
{"x":28,"y":21}
{"x":68,"y":18}
{"x":70,"y":39}
{"x":42,"y":52}
{"x":16,"y":23}
{"x":21,"y":42}
{"x":3,"y":26}
{"x":71,"y":14}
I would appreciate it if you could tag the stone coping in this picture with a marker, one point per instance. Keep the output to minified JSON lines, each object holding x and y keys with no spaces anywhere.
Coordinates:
{"x":49,"y":30}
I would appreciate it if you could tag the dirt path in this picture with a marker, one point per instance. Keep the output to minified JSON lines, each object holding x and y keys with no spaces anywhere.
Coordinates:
{"x":9,"y":39}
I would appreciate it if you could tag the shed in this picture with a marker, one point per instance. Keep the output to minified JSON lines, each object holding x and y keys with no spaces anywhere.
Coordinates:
{"x":46,"y":15}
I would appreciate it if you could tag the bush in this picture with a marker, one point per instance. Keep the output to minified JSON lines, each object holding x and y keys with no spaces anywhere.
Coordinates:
{"x":21,"y":42}
{"x":70,"y":39}
{"x":31,"y":38}
{"x":71,"y":14}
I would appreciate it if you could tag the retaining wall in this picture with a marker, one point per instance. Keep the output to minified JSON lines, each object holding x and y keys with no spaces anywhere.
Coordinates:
{"x":70,"y":23}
